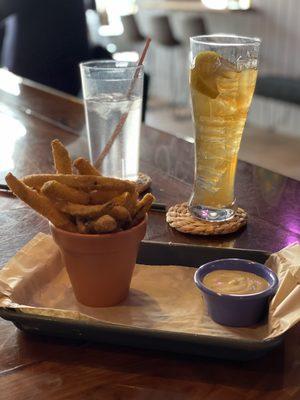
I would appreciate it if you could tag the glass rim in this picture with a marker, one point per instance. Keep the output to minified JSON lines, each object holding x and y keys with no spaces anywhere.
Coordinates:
{"x":103,"y":65}
{"x":250,"y":41}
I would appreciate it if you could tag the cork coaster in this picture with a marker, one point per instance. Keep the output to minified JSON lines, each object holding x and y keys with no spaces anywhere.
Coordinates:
{"x":180,"y":218}
{"x":143,"y":182}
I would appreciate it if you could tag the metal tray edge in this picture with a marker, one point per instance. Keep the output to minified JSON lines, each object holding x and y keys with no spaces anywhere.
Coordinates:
{"x":11,"y":314}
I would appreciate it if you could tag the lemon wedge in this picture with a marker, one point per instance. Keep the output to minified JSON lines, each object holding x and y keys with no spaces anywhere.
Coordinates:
{"x":204,"y":73}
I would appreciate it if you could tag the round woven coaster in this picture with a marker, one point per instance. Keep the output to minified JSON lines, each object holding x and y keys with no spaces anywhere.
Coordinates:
{"x":180,"y":218}
{"x":143,"y":182}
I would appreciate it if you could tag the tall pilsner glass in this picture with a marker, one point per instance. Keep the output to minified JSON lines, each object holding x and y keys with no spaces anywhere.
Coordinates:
{"x":222,"y":81}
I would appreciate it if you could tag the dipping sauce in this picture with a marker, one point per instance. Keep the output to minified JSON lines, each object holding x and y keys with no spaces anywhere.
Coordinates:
{"x":234,"y":282}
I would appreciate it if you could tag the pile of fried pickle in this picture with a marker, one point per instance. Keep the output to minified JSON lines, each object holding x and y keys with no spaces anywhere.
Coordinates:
{"x":85,"y":202}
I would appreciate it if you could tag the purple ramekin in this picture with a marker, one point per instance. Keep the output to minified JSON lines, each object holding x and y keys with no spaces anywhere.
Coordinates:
{"x":237,"y":310}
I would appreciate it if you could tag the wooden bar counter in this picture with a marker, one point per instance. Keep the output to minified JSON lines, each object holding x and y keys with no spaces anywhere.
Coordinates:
{"x":33,"y":367}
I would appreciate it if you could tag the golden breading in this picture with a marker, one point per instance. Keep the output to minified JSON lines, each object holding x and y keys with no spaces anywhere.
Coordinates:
{"x":89,"y":211}
{"x":84,"y":203}
{"x":143,"y":206}
{"x":40,"y":203}
{"x":84,"y":167}
{"x":58,"y":191}
{"x":102,"y":196}
{"x":84,"y":182}
{"x":61,"y":158}
{"x":104,"y":224}
{"x":121,"y":215}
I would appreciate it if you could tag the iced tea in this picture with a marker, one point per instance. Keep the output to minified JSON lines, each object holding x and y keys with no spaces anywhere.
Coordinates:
{"x":221,"y":94}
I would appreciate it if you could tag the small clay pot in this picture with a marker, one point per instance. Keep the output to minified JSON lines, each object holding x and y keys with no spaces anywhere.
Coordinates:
{"x":100,"y":267}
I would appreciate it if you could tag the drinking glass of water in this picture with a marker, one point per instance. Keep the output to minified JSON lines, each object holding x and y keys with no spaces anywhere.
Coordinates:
{"x":113,"y":92}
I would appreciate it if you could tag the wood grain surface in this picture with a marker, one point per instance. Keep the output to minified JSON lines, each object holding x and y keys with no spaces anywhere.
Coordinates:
{"x":33,"y":367}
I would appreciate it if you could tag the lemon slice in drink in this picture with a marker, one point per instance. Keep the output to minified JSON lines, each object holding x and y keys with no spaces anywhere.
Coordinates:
{"x":204,"y":73}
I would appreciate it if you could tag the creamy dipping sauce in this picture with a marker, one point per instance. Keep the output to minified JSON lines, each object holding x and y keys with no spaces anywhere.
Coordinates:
{"x":234,"y":282}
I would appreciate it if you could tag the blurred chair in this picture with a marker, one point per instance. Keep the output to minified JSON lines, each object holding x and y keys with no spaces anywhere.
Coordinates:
{"x":193,"y":26}
{"x":160,"y":31}
{"x":132,"y":33}
{"x":188,"y":27}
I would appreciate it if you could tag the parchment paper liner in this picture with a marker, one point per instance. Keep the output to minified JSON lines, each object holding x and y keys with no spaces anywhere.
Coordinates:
{"x":161,"y":297}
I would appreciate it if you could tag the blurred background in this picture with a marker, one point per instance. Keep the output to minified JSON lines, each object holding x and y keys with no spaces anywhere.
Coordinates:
{"x":45,"y":40}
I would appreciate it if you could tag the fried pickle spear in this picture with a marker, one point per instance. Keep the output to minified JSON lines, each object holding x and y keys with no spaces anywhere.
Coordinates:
{"x":121,"y":215}
{"x":61,"y":158}
{"x":143,"y":206}
{"x":84,"y":182}
{"x":104,"y":224}
{"x":121,"y":200}
{"x":89,"y":211}
{"x":58,"y":191}
{"x":84,"y":167}
{"x":131,"y":203}
{"x":102,"y":196}
{"x":39,"y":203}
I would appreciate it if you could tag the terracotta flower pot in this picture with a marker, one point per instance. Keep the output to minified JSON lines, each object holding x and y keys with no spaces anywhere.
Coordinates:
{"x":100,"y":266}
